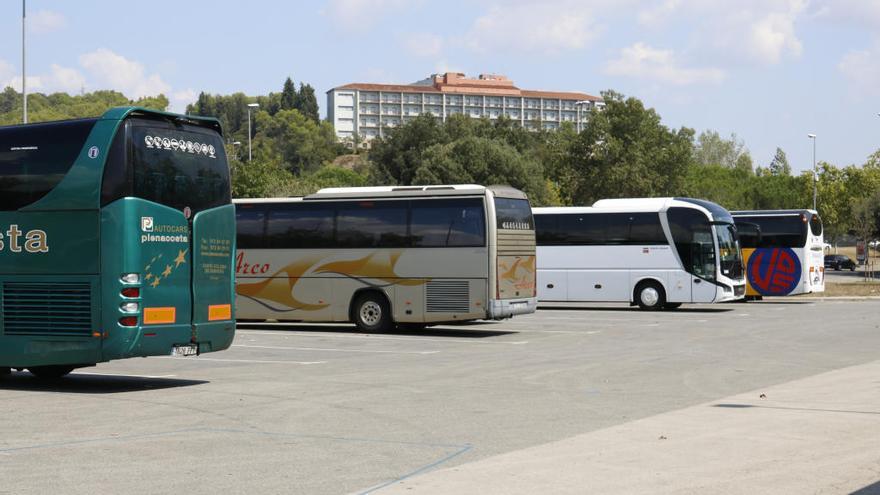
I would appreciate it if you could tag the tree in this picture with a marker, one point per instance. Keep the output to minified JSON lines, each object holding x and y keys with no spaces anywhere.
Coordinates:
{"x":711,"y":149}
{"x":398,"y":154}
{"x":259,"y":179}
{"x":306,"y":102}
{"x":779,"y":165}
{"x":288,"y":95}
{"x":625,"y":151}
{"x":301,"y":144}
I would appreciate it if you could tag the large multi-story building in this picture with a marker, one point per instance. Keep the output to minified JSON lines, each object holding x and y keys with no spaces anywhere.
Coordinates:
{"x":368,"y":109}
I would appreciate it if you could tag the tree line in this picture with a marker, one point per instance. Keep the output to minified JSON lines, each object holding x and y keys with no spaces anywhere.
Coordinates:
{"x":623,"y":151}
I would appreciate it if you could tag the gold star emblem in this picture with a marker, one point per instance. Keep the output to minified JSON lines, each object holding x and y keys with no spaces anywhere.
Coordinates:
{"x":156,"y":281}
{"x":167,"y":271}
{"x":149,"y":276}
{"x":180,"y":258}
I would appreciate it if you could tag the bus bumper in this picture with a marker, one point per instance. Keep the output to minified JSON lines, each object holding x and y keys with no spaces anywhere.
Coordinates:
{"x":215,"y":336}
{"x":505,"y":308}
{"x":727,"y":293}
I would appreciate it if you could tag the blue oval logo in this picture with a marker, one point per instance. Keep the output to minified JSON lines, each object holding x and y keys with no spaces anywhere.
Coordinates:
{"x":774,"y":271}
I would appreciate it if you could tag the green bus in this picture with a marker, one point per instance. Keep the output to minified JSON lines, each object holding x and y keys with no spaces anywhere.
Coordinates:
{"x":117,"y":240}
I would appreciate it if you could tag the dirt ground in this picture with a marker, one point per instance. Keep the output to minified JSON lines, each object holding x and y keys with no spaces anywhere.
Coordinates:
{"x":834,"y":289}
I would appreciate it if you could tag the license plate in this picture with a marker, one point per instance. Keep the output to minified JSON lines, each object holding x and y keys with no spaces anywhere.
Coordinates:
{"x":185,"y":350}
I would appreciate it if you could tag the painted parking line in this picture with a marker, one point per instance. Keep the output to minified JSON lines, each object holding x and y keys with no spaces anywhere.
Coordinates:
{"x":266,"y":361}
{"x":323,"y":349}
{"x":328,"y":335}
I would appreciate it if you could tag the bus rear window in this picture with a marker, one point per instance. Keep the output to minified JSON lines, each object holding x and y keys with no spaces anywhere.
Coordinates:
{"x":179,"y":166}
{"x":816,"y":224}
{"x":513,"y":214}
{"x":34,"y":158}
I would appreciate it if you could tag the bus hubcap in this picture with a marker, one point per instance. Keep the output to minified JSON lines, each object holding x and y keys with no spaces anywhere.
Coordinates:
{"x":650,"y":296}
{"x":371,"y":313}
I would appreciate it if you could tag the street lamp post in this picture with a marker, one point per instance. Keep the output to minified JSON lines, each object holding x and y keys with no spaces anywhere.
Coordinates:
{"x":250,"y":106}
{"x":815,"y":172}
{"x":234,"y":152}
{"x":23,"y":80}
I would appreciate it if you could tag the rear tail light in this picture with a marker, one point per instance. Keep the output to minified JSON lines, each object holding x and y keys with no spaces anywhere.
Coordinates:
{"x":131,"y":292}
{"x":131,"y":278}
{"x":128,"y":321}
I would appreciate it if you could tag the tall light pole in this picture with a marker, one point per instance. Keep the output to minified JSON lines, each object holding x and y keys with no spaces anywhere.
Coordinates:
{"x":815,"y":172}
{"x":23,"y":80}
{"x":250,"y":106}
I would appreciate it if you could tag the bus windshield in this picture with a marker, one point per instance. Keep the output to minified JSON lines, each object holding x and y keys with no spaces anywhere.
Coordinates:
{"x":729,"y":252}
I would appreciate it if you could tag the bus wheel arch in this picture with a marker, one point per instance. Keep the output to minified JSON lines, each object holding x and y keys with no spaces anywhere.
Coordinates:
{"x":650,"y":294}
{"x":370,"y":310}
{"x":51,"y":372}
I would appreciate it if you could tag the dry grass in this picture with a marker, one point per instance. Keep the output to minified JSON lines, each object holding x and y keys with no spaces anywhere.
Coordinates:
{"x":835,"y":289}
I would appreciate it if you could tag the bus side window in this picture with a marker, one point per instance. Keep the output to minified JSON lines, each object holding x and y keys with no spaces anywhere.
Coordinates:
{"x":250,"y":222}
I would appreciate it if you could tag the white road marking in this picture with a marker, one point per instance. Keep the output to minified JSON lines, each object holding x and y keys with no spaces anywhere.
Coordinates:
{"x":324,"y":335}
{"x":322,"y":349}
{"x":198,"y":359}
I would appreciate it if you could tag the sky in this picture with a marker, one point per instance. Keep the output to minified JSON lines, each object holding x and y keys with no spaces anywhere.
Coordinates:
{"x":770,"y":71}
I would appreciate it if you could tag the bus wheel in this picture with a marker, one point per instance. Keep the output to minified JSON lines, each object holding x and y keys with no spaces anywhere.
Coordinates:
{"x":5,"y":371}
{"x":50,"y":372}
{"x":650,"y":296}
{"x":371,"y":312}
{"x":671,"y":305}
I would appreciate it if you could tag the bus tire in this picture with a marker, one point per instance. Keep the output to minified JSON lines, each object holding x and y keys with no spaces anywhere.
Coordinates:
{"x":52,"y":372}
{"x":371,"y":312}
{"x":650,"y":295}
{"x":4,"y":371}
{"x":670,"y":305}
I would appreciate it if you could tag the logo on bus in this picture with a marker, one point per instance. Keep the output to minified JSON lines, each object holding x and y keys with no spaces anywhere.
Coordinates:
{"x":93,"y":152}
{"x":147,"y":224}
{"x":774,"y":271}
{"x":516,"y":226}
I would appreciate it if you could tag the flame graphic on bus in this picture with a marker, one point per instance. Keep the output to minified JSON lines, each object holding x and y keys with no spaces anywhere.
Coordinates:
{"x":280,"y":286}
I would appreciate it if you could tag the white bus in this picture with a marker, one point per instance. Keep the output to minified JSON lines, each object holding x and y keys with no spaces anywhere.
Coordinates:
{"x":787,"y":256}
{"x":654,"y":252}
{"x":380,"y":256}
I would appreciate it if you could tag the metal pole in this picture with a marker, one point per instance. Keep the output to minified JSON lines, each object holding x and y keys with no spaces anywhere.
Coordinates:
{"x":249,"y":134}
{"x":23,"y":80}
{"x":815,"y":174}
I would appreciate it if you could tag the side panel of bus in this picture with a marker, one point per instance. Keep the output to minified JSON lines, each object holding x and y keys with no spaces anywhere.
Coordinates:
{"x":50,"y":312}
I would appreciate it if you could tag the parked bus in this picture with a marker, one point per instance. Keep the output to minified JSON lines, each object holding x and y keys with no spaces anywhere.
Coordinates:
{"x":656,"y":253}
{"x":785,"y":257}
{"x":116,"y":240}
{"x":380,"y":256}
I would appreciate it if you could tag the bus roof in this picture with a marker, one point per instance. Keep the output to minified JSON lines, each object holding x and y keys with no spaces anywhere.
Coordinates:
{"x":769,"y":213}
{"x":120,"y":113}
{"x":396,"y":192}
{"x":642,"y":205}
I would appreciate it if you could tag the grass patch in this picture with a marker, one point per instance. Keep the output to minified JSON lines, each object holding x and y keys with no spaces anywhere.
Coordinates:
{"x":835,"y":289}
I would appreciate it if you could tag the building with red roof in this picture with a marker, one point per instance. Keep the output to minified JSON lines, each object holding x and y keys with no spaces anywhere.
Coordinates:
{"x":367,"y":109}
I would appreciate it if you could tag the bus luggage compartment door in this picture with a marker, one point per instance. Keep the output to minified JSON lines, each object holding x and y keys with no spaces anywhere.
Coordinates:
{"x":213,"y":289}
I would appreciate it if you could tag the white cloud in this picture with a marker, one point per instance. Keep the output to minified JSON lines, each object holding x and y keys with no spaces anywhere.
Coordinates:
{"x":180,"y":99}
{"x":758,"y":31}
{"x":362,"y":14}
{"x":863,"y":13}
{"x":58,"y":79}
{"x":108,"y":69}
{"x":548,"y":27}
{"x":659,"y":14}
{"x":644,"y":62}
{"x":424,"y":44}
{"x":862,"y":69}
{"x":45,"y":21}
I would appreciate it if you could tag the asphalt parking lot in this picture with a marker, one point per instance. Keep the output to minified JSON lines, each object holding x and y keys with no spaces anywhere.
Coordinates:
{"x":323,"y":409}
